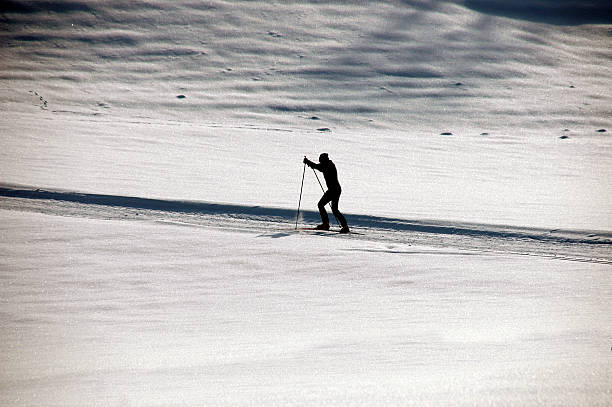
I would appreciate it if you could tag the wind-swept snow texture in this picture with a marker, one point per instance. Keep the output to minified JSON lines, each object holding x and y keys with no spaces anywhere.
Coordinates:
{"x":150,"y":166}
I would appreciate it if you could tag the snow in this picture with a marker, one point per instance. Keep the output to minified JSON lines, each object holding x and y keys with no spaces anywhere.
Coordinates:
{"x":150,"y":168}
{"x":140,"y":313}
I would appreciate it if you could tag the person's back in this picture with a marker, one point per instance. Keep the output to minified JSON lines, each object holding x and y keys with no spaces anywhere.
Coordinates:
{"x":331,"y":175}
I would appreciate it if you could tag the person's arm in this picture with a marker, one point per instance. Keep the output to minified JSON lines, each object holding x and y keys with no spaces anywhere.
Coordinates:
{"x":309,"y":163}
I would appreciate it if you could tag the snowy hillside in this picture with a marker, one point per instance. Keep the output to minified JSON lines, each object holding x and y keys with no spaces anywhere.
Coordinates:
{"x":412,"y":65}
{"x":174,"y":99}
{"x":150,"y":171}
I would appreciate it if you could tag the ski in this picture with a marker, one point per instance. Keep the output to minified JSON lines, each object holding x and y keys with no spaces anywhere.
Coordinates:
{"x":334,"y":231}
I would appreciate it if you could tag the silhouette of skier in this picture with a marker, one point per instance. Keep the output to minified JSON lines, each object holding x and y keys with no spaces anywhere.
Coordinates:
{"x":327,"y":167}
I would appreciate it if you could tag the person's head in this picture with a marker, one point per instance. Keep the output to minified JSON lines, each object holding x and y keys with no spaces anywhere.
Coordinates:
{"x":323,"y":158}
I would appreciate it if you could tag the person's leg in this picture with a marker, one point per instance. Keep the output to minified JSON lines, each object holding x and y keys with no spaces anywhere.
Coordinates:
{"x":337,"y":213}
{"x":322,"y":202}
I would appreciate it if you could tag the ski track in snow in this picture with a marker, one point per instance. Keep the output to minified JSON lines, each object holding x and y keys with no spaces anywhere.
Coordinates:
{"x":583,"y":246}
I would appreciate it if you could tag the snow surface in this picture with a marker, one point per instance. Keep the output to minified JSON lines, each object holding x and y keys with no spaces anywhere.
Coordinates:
{"x":150,"y":169}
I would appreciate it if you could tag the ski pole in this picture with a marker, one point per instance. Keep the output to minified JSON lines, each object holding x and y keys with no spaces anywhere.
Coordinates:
{"x":323,"y":189}
{"x":297,"y":217}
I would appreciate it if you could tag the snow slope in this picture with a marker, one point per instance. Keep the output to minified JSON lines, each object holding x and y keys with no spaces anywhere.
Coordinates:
{"x":150,"y":167}
{"x":259,"y":79}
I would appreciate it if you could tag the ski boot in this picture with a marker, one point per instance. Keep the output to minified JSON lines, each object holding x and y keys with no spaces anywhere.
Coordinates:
{"x":345,"y":229}
{"x":323,"y":226}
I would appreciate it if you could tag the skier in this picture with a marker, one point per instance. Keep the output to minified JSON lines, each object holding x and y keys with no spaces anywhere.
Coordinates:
{"x":327,"y":167}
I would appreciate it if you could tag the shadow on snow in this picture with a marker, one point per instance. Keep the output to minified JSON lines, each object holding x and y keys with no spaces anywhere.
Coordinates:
{"x":280,"y":215}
